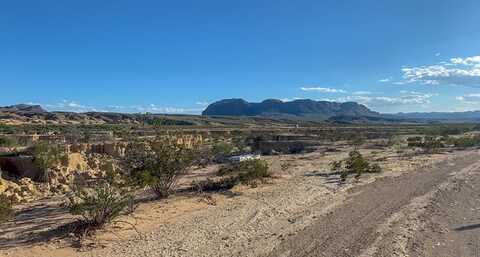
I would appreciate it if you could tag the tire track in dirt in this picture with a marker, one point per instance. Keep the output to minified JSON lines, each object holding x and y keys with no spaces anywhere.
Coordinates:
{"x":451,"y":225}
{"x":353,"y":227}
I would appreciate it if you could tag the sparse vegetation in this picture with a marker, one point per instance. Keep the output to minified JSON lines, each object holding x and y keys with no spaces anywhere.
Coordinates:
{"x":159,"y":164}
{"x":6,"y":211}
{"x":100,"y":205}
{"x":213,"y":185}
{"x":464,"y":141}
{"x":46,"y":157}
{"x":356,"y":164}
{"x":6,"y":141}
{"x":222,"y":149}
{"x":248,"y":172}
{"x":429,"y":144}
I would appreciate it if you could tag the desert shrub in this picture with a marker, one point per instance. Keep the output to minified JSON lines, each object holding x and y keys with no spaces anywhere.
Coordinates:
{"x":6,"y":211}
{"x":46,"y":157}
{"x":252,"y":171}
{"x":357,"y":140}
{"x":100,"y":205}
{"x":247,"y":172}
{"x":166,"y":122}
{"x":395,"y":142}
{"x":296,"y":147}
{"x":429,"y":144}
{"x":240,"y":145}
{"x":210,"y":185}
{"x":465,"y":141}
{"x":414,"y":141}
{"x":432,"y":144}
{"x":446,"y":129}
{"x":159,"y":164}
{"x":222,"y":149}
{"x":8,"y":141}
{"x":356,"y":164}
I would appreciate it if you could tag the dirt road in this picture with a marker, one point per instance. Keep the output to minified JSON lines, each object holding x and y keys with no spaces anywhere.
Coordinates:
{"x":405,"y":211}
{"x":434,"y":212}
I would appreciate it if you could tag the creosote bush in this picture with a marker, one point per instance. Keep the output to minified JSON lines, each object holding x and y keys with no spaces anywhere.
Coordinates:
{"x":211,"y":185}
{"x":46,"y":157}
{"x":222,"y":149}
{"x":429,"y":144}
{"x":159,"y":164}
{"x":100,"y":205}
{"x":247,"y":172}
{"x":356,"y":164}
{"x":6,"y":211}
{"x":464,"y":141}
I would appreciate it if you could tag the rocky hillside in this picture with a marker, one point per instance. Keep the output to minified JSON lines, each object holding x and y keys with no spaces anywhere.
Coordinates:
{"x":299,"y":108}
{"x":23,"y":108}
{"x":35,"y":114}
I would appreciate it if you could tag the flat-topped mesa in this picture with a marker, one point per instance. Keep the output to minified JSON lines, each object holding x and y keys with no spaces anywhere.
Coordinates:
{"x":299,"y":108}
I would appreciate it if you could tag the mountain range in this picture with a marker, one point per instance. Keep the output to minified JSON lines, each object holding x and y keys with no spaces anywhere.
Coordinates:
{"x":303,"y":109}
{"x":220,"y":113}
{"x":347,"y":112}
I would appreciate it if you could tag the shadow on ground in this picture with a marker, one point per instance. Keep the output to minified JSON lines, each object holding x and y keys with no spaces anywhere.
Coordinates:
{"x":468,"y":227}
{"x":42,"y":222}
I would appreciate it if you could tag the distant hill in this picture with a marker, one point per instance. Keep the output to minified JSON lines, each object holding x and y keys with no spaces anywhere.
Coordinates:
{"x":469,"y":116}
{"x":35,"y":114}
{"x":23,"y":108}
{"x":299,"y":109}
{"x":238,"y":112}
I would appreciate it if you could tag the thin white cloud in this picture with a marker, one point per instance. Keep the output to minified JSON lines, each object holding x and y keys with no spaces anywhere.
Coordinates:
{"x":469,"y":98}
{"x":72,"y":106}
{"x":323,"y":90}
{"x":473,"y":60}
{"x":202,"y":103}
{"x":289,"y":99}
{"x":415,"y":92}
{"x":407,"y":98}
{"x":362,"y":93}
{"x":385,"y":80}
{"x":437,"y":54}
{"x":458,"y":71}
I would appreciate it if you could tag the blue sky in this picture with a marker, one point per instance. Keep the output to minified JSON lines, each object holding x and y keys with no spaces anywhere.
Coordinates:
{"x":177,"y":56}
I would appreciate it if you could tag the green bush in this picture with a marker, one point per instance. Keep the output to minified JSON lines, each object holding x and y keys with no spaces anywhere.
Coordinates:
{"x":46,"y":157}
{"x":159,"y":164}
{"x":100,"y":205}
{"x":209,"y":184}
{"x":222,"y":149}
{"x":356,"y":164}
{"x":429,"y":144}
{"x":465,"y":141}
{"x":8,"y":141}
{"x":6,"y":211}
{"x":247,"y":172}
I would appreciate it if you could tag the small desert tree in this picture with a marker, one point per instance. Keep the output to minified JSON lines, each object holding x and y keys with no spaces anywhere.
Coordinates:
{"x":46,"y":157}
{"x":356,"y":164}
{"x":222,"y":149}
{"x":159,"y":164}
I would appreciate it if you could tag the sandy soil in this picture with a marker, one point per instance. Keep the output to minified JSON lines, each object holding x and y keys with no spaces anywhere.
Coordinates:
{"x":302,"y":212}
{"x":365,"y":217}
